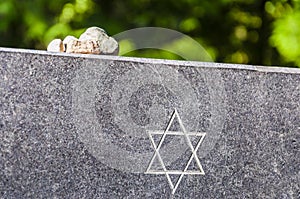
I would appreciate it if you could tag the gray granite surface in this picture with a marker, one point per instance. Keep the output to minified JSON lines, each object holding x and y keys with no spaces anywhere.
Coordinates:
{"x":75,"y":126}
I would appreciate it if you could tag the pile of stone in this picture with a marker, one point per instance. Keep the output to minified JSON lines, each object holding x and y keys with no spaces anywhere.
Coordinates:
{"x":93,"y":41}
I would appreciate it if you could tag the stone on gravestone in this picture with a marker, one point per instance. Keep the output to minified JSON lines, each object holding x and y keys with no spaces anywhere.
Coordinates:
{"x":86,"y":126}
{"x":93,"y":41}
{"x":56,"y":45}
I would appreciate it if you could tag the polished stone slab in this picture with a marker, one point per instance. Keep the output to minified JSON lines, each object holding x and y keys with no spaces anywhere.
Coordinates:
{"x":87,"y":126}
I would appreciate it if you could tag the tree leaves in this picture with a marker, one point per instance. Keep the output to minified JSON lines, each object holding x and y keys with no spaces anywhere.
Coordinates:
{"x":251,"y":32}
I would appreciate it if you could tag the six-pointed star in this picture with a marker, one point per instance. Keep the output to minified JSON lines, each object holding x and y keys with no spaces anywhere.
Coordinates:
{"x":194,"y":156}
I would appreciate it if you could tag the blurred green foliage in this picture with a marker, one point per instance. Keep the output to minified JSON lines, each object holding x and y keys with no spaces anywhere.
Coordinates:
{"x":264,"y":32}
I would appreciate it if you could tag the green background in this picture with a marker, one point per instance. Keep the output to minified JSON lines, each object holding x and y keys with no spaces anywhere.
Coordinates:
{"x":234,"y":31}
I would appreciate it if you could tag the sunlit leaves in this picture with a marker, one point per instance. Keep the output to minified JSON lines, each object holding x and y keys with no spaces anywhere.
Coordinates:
{"x":239,"y":57}
{"x":70,"y":13}
{"x":286,"y":36}
{"x":189,"y":24}
{"x":278,"y":8}
{"x":67,"y":13}
{"x":286,"y":29}
{"x":238,"y":31}
{"x":246,"y":18}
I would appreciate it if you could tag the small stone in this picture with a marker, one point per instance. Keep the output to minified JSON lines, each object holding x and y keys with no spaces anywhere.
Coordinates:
{"x":108,"y":45}
{"x":83,"y":47}
{"x":94,"y":33}
{"x":69,"y":38}
{"x":56,"y":45}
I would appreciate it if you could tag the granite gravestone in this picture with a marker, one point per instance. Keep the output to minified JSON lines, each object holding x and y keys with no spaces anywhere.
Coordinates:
{"x":86,"y":126}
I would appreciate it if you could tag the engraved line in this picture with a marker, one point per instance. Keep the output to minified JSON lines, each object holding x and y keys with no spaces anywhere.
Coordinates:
{"x":160,"y":159}
{"x":188,"y":139}
{"x":158,"y":147}
{"x":153,"y":156}
{"x":158,"y":132}
{"x":194,"y":155}
{"x":193,"y":150}
{"x":171,"y":121}
{"x":175,"y":172}
{"x":196,"y":149}
{"x":188,"y":164}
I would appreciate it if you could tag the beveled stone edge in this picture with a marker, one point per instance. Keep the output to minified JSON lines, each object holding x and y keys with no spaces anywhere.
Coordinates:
{"x":267,"y":69}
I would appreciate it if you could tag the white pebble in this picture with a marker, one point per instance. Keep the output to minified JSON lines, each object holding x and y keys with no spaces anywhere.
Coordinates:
{"x":56,"y":45}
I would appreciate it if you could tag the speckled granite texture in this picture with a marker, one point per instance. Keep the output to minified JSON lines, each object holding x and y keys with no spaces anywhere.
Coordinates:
{"x":75,"y":126}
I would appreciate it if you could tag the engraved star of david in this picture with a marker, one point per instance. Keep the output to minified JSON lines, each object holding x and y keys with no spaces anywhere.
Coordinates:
{"x":193,"y":150}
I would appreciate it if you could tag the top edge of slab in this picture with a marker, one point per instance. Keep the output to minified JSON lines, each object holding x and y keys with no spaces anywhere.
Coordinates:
{"x":274,"y":69}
